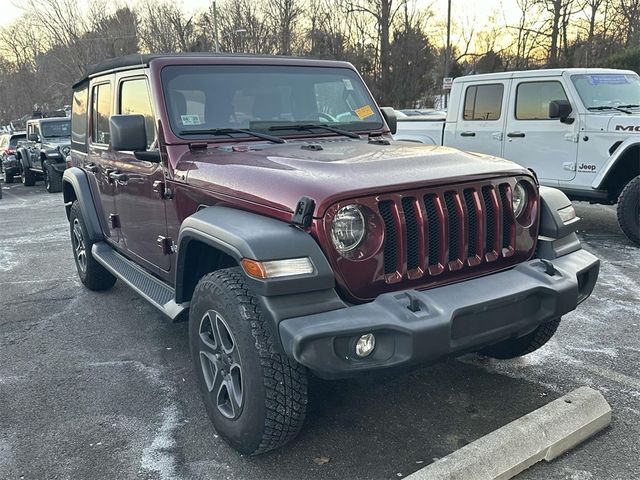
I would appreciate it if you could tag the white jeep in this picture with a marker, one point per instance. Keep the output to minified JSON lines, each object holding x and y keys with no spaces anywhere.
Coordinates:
{"x":578,"y":129}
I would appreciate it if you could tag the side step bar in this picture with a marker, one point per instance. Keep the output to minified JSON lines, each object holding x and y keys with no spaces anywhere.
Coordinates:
{"x":159,"y":294}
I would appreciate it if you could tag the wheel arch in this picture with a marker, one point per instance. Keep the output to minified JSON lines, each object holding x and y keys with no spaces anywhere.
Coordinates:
{"x":75,"y":187}
{"x":224,"y":236}
{"x":622,"y":166}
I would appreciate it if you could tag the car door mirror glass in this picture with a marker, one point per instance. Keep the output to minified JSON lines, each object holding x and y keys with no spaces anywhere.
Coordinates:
{"x":128,"y":133}
{"x":33,"y":137}
{"x":389,"y":115}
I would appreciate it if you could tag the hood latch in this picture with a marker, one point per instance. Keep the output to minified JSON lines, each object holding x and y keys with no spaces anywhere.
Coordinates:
{"x":303,"y":214}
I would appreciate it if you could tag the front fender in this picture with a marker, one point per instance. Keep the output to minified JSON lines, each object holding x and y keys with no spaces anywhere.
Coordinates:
{"x":622,"y":149}
{"x":75,"y":186}
{"x":241,"y":234}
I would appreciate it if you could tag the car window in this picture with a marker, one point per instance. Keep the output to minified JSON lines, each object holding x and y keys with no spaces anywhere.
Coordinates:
{"x":3,"y":141}
{"x":79,"y":119}
{"x":533,"y":98}
{"x":101,"y":111}
{"x":15,"y":139}
{"x":202,"y":97}
{"x":135,"y":99}
{"x":56,"y":129}
{"x":483,"y":102}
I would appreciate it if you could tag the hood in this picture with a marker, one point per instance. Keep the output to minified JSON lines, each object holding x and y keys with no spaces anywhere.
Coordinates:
{"x":56,"y":142}
{"x":328,"y":171}
{"x":624,"y":123}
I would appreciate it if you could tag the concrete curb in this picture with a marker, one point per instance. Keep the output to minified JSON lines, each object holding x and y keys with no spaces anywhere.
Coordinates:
{"x":545,"y":433}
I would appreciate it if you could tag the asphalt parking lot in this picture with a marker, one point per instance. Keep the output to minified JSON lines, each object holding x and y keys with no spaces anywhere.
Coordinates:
{"x":100,"y":386}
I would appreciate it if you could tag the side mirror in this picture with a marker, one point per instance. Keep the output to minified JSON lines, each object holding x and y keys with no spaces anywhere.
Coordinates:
{"x":389,"y":115}
{"x":560,"y":109}
{"x":33,"y":137}
{"x":128,"y":133}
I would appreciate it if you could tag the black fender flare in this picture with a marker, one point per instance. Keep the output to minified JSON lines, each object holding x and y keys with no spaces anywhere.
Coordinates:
{"x":25,"y":158}
{"x":555,"y":237}
{"x":75,"y":186}
{"x":242,"y":234}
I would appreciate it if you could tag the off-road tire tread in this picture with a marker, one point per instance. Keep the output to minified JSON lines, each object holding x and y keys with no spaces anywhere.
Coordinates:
{"x":28,"y":177}
{"x":97,"y":278}
{"x":55,"y":179}
{"x":285,"y":381}
{"x":625,"y":217}
{"x":517,"y":347}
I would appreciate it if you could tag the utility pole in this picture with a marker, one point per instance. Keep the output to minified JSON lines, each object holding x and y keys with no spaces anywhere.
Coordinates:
{"x":215,"y":26}
{"x":447,"y":52}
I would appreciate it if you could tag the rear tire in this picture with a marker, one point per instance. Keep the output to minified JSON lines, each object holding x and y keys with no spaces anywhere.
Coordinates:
{"x":629,"y":210}
{"x":255,"y":396}
{"x":52,"y":179}
{"x":517,"y":347}
{"x":93,"y":275}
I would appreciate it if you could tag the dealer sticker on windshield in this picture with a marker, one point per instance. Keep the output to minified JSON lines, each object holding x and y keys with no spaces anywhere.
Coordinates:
{"x":190,"y":119}
{"x":607,"y":79}
{"x":364,"y":112}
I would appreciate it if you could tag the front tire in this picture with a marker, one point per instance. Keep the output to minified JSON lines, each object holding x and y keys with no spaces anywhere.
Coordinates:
{"x":255,"y":396}
{"x":629,"y":210}
{"x":52,"y":179}
{"x":8,"y":177}
{"x":517,"y":347}
{"x":28,"y":177}
{"x":92,"y":275}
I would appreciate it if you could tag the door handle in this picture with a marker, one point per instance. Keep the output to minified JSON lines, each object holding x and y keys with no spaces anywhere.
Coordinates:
{"x":516,"y":135}
{"x":467,"y":134}
{"x":91,"y":167}
{"x":118,"y":177}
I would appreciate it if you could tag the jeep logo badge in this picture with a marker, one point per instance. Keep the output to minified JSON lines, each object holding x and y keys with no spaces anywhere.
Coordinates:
{"x":628,"y":128}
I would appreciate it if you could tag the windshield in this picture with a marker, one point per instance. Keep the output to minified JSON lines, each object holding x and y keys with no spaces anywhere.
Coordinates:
{"x":608,"y":90}
{"x":56,"y":129}
{"x":257,"y":98}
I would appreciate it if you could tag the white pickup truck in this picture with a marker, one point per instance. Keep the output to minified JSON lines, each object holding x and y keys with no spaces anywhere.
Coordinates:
{"x":577,"y":129}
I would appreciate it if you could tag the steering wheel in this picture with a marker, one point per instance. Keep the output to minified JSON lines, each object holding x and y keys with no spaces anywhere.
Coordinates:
{"x":326,"y":117}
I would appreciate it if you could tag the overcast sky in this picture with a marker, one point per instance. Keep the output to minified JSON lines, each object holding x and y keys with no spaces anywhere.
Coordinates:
{"x":464,"y":12}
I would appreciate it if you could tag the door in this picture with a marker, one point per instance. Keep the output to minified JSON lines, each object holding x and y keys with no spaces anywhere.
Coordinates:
{"x":546,"y":145}
{"x":99,"y":160}
{"x":140,"y":207}
{"x":480,"y":123}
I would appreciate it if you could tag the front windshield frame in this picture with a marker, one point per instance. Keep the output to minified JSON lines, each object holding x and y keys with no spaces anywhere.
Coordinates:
{"x":45,"y":129}
{"x":589,"y":101}
{"x":168,"y":73}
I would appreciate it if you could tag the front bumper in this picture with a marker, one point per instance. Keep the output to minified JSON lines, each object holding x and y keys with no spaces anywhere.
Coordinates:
{"x":414,"y":327}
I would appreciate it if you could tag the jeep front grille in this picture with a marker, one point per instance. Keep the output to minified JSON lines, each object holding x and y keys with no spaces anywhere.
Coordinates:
{"x":456,"y":228}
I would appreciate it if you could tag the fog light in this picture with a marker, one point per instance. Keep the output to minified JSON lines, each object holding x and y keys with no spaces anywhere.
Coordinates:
{"x":365,"y":345}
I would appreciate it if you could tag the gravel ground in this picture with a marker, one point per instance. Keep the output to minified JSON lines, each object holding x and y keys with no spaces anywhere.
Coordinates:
{"x":100,"y":386}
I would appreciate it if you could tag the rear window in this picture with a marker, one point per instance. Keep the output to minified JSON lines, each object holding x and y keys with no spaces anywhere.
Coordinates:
{"x":16,"y":138}
{"x":483,"y":102}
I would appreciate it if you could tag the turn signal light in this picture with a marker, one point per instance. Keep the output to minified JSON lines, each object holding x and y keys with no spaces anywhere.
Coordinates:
{"x":277,"y":268}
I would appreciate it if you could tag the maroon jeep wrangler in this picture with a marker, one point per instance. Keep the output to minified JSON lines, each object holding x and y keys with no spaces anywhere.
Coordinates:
{"x":265,"y":199}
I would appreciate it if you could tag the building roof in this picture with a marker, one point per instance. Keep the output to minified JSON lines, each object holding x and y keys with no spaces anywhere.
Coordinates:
{"x":137,"y":60}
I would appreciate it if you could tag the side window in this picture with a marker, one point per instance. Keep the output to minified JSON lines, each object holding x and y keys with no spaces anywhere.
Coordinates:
{"x":483,"y":102}
{"x":79,"y":109}
{"x":134,"y":99}
{"x":533,"y":98}
{"x":3,"y":141}
{"x":101,"y":111}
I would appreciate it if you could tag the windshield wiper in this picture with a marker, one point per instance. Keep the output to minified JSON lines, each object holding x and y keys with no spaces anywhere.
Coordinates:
{"x":229,"y":131}
{"x":631,"y":105}
{"x":311,"y":126}
{"x":608,"y":107}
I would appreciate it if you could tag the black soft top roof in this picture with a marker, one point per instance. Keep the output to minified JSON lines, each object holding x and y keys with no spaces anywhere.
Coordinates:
{"x":137,"y":60}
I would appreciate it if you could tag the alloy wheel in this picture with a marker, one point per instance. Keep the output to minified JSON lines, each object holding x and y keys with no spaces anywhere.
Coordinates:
{"x":79,"y":246}
{"x":221,"y":364}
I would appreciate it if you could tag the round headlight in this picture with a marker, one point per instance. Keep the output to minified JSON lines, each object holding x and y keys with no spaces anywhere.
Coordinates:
{"x":519,"y":199}
{"x":348,"y":228}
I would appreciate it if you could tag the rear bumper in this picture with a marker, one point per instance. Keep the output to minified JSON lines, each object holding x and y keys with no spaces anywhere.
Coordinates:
{"x":425,"y":326}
